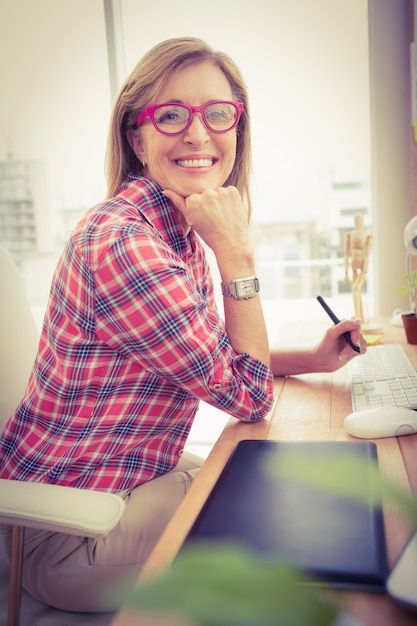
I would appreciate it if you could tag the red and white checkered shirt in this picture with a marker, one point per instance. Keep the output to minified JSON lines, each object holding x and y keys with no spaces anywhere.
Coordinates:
{"x":130,"y":342}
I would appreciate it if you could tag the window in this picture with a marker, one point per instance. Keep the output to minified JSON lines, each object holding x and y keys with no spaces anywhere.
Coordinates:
{"x":306,"y":65}
{"x":307,"y":69}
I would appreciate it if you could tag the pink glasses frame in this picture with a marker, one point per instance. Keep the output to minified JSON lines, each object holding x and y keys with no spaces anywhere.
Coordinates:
{"x":149,"y":112}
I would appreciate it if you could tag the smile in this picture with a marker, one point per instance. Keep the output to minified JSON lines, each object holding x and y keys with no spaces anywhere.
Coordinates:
{"x":195,"y":162}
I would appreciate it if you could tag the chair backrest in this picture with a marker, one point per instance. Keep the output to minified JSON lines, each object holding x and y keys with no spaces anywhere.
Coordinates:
{"x":19,"y":337}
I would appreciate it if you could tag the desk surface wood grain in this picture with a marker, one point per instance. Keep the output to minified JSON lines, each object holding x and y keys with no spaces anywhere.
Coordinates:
{"x":310,"y":407}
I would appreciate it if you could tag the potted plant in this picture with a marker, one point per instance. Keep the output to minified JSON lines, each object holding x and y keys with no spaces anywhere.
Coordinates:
{"x":410,"y":318}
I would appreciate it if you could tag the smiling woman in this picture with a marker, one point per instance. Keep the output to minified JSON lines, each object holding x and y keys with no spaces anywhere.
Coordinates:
{"x":132,"y":338}
{"x":133,"y":326}
{"x":133,"y":331}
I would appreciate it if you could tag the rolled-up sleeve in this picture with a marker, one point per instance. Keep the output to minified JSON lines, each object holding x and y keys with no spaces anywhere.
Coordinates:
{"x":251,"y":391}
{"x":157,"y":310}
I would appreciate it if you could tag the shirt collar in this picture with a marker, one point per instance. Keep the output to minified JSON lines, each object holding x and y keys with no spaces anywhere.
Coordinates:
{"x":148,"y":199}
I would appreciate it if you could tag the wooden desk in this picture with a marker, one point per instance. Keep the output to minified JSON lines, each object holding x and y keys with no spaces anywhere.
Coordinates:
{"x":310,"y":407}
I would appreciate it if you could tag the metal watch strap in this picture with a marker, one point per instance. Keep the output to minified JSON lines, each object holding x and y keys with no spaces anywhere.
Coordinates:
{"x":241,"y":288}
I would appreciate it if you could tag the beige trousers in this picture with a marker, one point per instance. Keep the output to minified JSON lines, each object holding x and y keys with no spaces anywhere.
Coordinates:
{"x":74,"y":573}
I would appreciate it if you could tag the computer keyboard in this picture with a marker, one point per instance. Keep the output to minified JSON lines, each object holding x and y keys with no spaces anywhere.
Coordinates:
{"x":383,"y":376}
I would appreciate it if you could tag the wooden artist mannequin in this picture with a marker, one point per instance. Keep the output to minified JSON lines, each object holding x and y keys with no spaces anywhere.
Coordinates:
{"x":357,"y":249}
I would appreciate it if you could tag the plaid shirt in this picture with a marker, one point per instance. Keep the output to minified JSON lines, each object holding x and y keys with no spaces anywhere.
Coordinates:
{"x":131,"y":341}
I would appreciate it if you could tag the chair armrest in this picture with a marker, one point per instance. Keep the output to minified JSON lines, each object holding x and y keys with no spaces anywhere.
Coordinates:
{"x":62,"y":509}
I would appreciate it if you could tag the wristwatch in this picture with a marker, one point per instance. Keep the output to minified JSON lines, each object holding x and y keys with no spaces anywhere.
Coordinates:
{"x":241,"y":288}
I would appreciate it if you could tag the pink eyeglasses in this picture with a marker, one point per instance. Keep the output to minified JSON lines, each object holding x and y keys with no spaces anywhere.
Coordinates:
{"x":173,"y":118}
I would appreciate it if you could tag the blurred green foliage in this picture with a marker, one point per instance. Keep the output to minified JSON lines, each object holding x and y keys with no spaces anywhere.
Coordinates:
{"x":220,"y":584}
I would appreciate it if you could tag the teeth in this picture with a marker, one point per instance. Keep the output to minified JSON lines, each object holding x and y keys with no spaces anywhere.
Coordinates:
{"x":196,"y":162}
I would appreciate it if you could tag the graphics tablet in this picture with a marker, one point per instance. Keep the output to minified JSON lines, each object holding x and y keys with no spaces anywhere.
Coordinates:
{"x":335,"y":539}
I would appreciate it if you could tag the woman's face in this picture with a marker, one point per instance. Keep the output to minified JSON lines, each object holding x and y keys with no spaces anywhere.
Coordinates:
{"x":197,"y":158}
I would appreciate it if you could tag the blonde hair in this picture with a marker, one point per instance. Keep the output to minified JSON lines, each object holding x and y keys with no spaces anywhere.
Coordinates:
{"x":141,"y":90}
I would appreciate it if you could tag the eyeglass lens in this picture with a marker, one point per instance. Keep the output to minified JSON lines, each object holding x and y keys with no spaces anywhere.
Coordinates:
{"x":173,"y":118}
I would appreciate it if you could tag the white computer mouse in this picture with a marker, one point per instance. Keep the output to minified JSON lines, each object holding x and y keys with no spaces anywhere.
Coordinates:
{"x":380,"y":422}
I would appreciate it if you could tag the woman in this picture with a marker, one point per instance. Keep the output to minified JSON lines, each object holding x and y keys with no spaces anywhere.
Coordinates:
{"x":132,"y":339}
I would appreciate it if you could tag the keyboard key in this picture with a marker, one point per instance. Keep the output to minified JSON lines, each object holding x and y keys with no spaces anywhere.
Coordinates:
{"x":383,"y":376}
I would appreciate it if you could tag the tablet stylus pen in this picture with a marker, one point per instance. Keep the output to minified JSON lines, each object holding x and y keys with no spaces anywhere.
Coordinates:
{"x":336,"y":320}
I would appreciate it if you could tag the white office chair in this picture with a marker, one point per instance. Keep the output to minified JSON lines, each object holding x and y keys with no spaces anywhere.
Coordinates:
{"x":48,"y":507}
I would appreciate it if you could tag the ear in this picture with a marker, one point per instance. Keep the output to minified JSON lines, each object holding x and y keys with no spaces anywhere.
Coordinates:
{"x":135,"y":141}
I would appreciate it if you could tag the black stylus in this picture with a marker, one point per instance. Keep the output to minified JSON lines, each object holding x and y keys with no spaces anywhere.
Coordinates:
{"x":336,"y":320}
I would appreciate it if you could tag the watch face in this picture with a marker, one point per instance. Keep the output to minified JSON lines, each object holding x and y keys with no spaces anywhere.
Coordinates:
{"x":245,"y":288}
{"x":241,"y":288}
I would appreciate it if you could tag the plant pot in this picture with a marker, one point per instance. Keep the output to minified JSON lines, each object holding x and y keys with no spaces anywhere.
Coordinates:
{"x":410,"y":327}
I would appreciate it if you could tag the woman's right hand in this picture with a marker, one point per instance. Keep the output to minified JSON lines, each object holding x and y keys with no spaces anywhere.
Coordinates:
{"x":218,"y":216}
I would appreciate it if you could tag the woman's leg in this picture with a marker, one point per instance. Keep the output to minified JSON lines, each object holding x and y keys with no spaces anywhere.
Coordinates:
{"x":75,"y":573}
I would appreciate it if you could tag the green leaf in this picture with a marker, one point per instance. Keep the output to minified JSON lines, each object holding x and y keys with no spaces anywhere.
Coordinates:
{"x":219,"y":584}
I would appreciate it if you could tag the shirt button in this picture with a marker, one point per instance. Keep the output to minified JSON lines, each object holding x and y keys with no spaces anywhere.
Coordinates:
{"x":217,"y":387}
{"x":180,"y":452}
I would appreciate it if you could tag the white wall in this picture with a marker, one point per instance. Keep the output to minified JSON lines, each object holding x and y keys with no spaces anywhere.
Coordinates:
{"x":54,"y":100}
{"x":391,"y":136}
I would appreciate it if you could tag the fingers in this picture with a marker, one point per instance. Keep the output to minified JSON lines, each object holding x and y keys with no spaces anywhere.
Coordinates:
{"x":217,"y":215}
{"x":358,"y":340}
{"x":353,"y":327}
